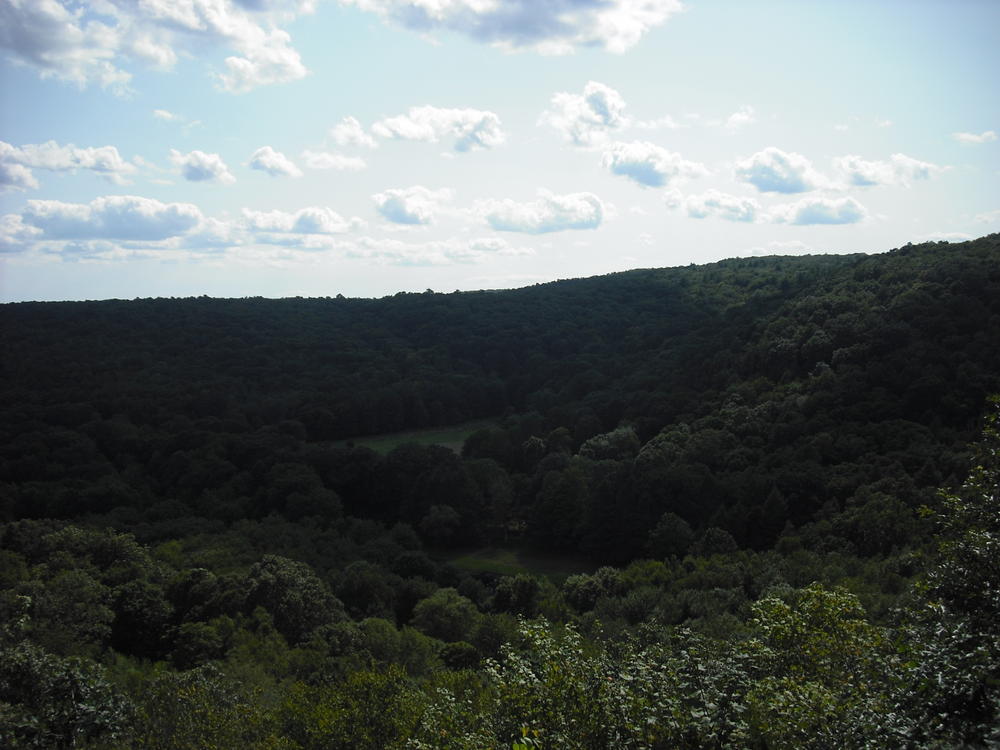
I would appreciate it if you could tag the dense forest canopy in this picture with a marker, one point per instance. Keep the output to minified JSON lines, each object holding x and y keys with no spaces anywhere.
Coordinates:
{"x":746,"y":458}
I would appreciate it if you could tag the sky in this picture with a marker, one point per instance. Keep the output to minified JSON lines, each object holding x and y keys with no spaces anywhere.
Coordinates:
{"x":173,"y":148}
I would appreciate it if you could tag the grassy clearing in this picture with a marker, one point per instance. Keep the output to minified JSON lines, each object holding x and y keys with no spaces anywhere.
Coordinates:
{"x":452,"y":437}
{"x":509,"y":561}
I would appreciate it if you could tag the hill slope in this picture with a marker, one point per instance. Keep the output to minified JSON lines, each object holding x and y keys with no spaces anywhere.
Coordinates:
{"x":759,"y":391}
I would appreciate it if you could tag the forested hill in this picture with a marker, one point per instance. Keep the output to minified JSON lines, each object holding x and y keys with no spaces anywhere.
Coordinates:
{"x":197,"y":550}
{"x":743,"y":395}
{"x":644,"y":347}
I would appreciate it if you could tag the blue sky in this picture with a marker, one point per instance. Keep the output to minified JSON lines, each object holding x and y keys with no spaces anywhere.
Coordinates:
{"x":364,"y":147}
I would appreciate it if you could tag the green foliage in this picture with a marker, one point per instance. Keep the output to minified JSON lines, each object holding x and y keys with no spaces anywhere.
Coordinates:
{"x":952,"y":696}
{"x":202,"y":709}
{"x":368,"y":711}
{"x":823,"y":670}
{"x":51,"y":702}
{"x":297,"y":600}
{"x":618,"y":445}
{"x":446,"y":615}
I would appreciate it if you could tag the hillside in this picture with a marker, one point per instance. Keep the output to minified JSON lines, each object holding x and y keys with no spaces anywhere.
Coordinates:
{"x":805,"y":380}
{"x":180,"y":486}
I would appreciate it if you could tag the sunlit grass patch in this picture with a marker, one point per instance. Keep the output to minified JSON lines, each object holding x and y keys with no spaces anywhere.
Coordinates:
{"x":453,"y":436}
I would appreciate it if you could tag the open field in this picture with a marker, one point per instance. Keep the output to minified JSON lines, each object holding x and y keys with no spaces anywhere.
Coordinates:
{"x":453,"y":437}
{"x":509,"y":561}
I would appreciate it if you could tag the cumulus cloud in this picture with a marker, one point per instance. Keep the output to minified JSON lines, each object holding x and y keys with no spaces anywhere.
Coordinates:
{"x":647,"y":164}
{"x":775,"y":171}
{"x":15,"y":235}
{"x":117,"y":227}
{"x":327,"y":160}
{"x":164,"y":115}
{"x":216,"y":234}
{"x":16,"y":162}
{"x":197,"y":166}
{"x":740,"y":118}
{"x":92,"y":43}
{"x":349,"y":132}
{"x":549,"y":213}
{"x":471,"y":128}
{"x":274,"y":163}
{"x":899,"y":170}
{"x":985,"y":137}
{"x":551,"y":27}
{"x":13,"y":174}
{"x":59,"y":41}
{"x":312,"y":220}
{"x":820,"y":211}
{"x":720,"y":205}
{"x":434,"y":252}
{"x":665,"y":123}
{"x":586,"y":119}
{"x":114,"y":217}
{"x":413,"y":205}
{"x":267,"y":58}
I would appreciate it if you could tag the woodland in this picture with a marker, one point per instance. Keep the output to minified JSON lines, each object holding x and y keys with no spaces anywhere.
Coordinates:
{"x":774,"y":483}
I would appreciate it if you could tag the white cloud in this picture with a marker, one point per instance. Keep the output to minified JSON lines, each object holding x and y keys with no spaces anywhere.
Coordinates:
{"x":587,"y":119}
{"x":551,"y":27}
{"x":899,"y":170}
{"x":741,"y":118}
{"x":92,"y":43}
{"x":215,"y":234}
{"x":13,"y":174}
{"x":550,"y":213}
{"x":741,"y":209}
{"x":984,"y":137}
{"x":349,"y":132}
{"x":648,"y":164}
{"x":274,"y":163}
{"x":16,"y":162}
{"x":988,"y":217}
{"x":909,"y":169}
{"x":268,"y":58}
{"x":820,"y":211}
{"x":50,"y":155}
{"x":413,"y":205}
{"x":61,"y":42}
{"x":719,"y":205}
{"x":116,"y":217}
{"x":327,"y":160}
{"x":185,"y":124}
{"x":197,"y":166}
{"x":116,"y":227}
{"x":775,"y":171}
{"x":15,"y":235}
{"x":471,"y":128}
{"x":863,"y":173}
{"x":665,"y":123}
{"x":312,"y":220}
{"x":434,"y":252}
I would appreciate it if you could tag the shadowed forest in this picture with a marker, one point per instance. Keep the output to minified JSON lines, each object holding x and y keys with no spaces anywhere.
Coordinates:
{"x":747,"y":504}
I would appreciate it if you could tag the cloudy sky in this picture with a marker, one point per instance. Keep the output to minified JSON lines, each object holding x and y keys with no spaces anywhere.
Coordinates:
{"x":363,"y":147}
